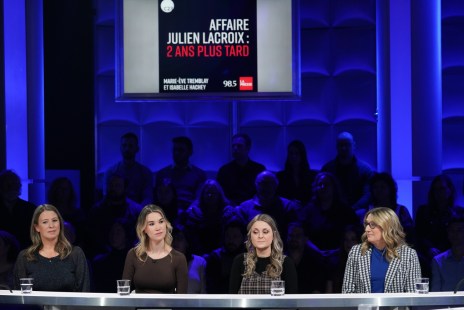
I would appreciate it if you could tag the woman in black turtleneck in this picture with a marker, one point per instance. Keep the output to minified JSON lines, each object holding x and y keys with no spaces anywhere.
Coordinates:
{"x":264,"y":261}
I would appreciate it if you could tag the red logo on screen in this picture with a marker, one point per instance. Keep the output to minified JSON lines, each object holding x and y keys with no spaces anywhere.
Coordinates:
{"x":246,"y":83}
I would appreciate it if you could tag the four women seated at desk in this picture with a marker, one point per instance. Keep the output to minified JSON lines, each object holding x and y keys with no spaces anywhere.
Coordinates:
{"x":381,"y":263}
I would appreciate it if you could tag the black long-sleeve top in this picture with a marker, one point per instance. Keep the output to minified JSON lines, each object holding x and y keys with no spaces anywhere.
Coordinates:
{"x":54,"y":274}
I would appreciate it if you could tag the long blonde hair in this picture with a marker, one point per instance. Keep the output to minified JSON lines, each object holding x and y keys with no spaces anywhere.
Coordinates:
{"x":142,"y":246}
{"x":63,"y":247}
{"x":392,"y":231}
{"x":274,"y":269}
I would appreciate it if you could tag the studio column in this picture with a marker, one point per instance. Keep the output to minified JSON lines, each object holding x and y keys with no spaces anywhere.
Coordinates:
{"x":409,"y":93}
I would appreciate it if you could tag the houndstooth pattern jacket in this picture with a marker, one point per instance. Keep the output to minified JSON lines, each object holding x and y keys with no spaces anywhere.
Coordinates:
{"x":400,"y":274}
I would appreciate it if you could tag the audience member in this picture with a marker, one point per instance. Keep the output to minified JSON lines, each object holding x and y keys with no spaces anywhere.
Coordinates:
{"x":219,"y":261}
{"x":70,"y":232}
{"x":51,"y":260}
{"x":326,"y":216}
{"x":204,"y":218}
{"x":186,"y":177}
{"x":153,"y":266}
{"x":196,"y":264}
{"x":107,"y":266}
{"x":296,"y":178}
{"x":165,"y":195}
{"x":62,"y":195}
{"x":382,"y":263}
{"x":384,"y":193}
{"x":9,"y":249}
{"x":139,"y":177}
{"x":448,"y":267}
{"x":263,"y":262}
{"x":336,"y":259}
{"x":115,"y":204}
{"x":267,"y":201}
{"x":238,"y":176}
{"x":16,"y":212}
{"x":308,"y":261}
{"x":431,"y":219}
{"x":353,"y":174}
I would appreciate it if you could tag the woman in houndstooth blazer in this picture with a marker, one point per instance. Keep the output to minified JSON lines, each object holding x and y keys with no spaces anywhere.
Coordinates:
{"x":382,"y":263}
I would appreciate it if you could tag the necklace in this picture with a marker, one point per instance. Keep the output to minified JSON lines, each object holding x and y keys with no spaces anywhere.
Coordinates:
{"x":157,"y":255}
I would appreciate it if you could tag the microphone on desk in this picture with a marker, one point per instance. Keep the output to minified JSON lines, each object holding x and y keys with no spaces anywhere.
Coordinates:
{"x":458,"y":285}
{"x":6,"y":287}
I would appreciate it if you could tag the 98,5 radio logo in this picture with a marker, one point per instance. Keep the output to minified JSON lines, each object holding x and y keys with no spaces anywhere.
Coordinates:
{"x":244,"y":83}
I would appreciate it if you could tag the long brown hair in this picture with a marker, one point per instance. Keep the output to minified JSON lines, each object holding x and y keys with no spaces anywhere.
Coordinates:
{"x":142,"y":246}
{"x":274,"y":269}
{"x":63,"y":247}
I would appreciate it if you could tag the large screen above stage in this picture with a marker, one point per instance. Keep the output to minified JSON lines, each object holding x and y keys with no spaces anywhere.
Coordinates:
{"x":202,"y":48}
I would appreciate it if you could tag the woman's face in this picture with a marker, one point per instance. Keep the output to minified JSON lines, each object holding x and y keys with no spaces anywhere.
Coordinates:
{"x":262,"y":236}
{"x":156,"y":226}
{"x":374,"y":233}
{"x":48,"y":225}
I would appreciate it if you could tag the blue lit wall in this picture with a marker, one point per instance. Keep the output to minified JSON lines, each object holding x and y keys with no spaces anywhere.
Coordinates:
{"x":338,"y":93}
{"x":338,"y":81}
{"x":453,"y":91}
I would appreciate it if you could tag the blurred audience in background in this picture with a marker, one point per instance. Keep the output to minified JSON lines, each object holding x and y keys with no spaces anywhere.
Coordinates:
{"x":308,"y":260}
{"x":448,"y":267}
{"x":352,"y":173}
{"x":219,"y":261}
{"x":107,"y":266}
{"x":9,"y":249}
{"x":16,"y":213}
{"x":182,"y":174}
{"x":165,"y":195}
{"x":196,"y":264}
{"x":62,"y":195}
{"x":336,"y":259}
{"x":139,"y":178}
{"x":297,"y":177}
{"x":204,"y":219}
{"x":237,"y":177}
{"x":326,"y":215}
{"x":267,"y":201}
{"x":431,"y":219}
{"x":384,"y":193}
{"x":115,"y":204}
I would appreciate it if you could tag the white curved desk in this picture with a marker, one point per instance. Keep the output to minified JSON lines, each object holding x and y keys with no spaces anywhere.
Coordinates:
{"x":171,"y":301}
